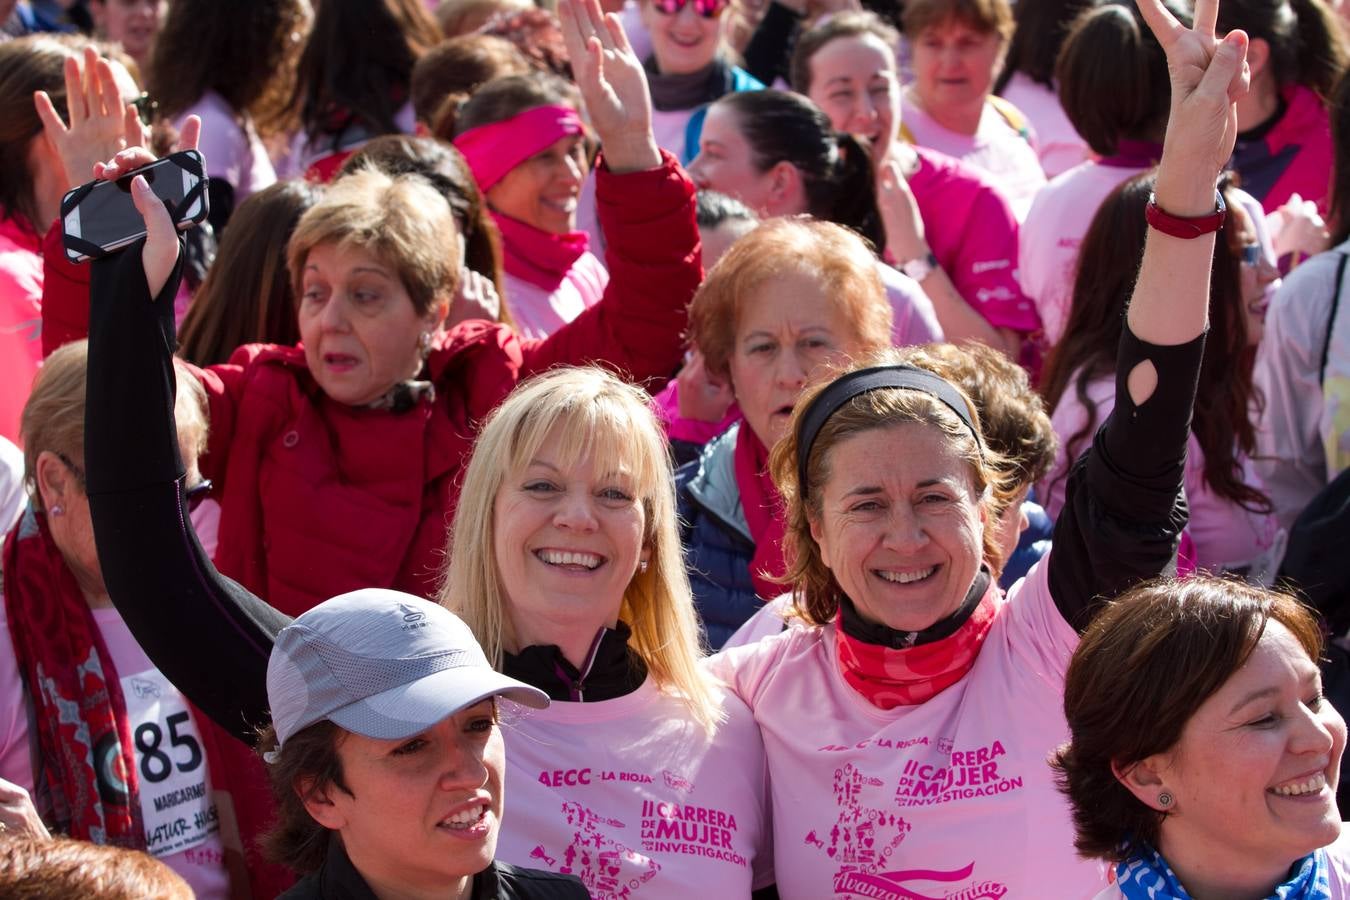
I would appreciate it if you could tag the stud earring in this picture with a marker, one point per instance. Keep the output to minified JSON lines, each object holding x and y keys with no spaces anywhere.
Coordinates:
{"x":424,"y":344}
{"x":1165,"y":800}
{"x":642,"y":566}
{"x":58,"y":510}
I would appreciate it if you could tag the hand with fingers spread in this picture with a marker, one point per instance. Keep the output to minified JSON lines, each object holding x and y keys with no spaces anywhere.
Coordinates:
{"x":100,"y":123}
{"x":612,"y":84}
{"x":1208,"y":76}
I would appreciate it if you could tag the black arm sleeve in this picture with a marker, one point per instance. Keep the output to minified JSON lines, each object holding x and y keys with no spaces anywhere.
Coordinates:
{"x":1124,"y":509}
{"x":769,"y":53}
{"x":210,"y":637}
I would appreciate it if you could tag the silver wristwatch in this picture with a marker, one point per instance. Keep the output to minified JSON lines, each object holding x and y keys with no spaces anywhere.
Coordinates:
{"x":920,"y":267}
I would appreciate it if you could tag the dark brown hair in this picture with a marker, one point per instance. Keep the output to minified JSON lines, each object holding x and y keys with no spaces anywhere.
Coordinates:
{"x":59,"y":868}
{"x":26,"y":65}
{"x":844,"y":25}
{"x":1108,"y":264}
{"x":444,"y":167}
{"x":537,"y":34}
{"x":1307,"y":45}
{"x":459,"y":66}
{"x":1144,"y":665}
{"x":1112,"y":77}
{"x":358,"y":62}
{"x":836,"y":168}
{"x":247,"y":296}
{"x":503,"y":98}
{"x":236,"y":49}
{"x":1039,"y":32}
{"x":305,"y":766}
{"x":1339,"y":201}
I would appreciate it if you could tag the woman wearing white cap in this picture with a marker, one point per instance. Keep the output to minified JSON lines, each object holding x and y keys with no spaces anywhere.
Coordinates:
{"x":386,"y":758}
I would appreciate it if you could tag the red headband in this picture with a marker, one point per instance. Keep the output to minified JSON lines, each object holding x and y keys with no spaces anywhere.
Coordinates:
{"x":495,"y":149}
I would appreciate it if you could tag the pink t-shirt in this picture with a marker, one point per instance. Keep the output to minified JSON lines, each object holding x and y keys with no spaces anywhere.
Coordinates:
{"x":538,"y":313}
{"x":182,"y":827}
{"x":234,"y":152}
{"x":1058,"y":144}
{"x":637,"y":800}
{"x":972,"y":231}
{"x":20,"y":320}
{"x":1052,"y":232}
{"x":1226,"y":535}
{"x":914,"y":321}
{"x":949,"y":798}
{"x":996,"y":148}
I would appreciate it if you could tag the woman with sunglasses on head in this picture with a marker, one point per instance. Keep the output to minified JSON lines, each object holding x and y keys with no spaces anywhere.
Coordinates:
{"x":908,"y":723}
{"x":688,"y":69}
{"x":108,"y":748}
{"x":1231,"y":521}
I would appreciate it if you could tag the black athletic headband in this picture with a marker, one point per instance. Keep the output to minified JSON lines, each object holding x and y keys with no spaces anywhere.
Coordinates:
{"x":864,"y":381}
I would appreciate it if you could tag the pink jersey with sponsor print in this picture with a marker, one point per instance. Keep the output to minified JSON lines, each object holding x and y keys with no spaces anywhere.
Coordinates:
{"x":972,"y":231}
{"x":637,"y":800}
{"x":949,"y":798}
{"x":1053,"y":231}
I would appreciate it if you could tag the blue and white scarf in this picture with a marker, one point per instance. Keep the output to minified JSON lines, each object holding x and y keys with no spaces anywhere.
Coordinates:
{"x":1145,"y":875}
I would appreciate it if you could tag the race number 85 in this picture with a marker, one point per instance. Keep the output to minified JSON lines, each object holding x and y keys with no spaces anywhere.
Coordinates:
{"x":157,"y":765}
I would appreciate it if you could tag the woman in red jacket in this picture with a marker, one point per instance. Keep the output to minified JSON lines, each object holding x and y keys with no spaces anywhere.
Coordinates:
{"x":336,"y":462}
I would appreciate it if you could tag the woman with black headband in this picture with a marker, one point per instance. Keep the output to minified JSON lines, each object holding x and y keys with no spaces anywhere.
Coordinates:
{"x":907,"y":723}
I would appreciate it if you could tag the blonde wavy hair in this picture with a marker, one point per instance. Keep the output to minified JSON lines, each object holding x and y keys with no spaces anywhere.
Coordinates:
{"x":585,"y":413}
{"x":815,"y":592}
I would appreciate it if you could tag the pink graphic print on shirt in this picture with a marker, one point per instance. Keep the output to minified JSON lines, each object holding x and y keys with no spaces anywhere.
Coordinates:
{"x":863,"y":839}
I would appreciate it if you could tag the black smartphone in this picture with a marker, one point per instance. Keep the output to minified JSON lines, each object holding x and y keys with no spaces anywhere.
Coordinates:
{"x":99,"y":217}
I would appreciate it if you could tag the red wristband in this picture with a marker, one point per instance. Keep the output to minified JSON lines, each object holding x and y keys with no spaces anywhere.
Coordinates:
{"x":1178,"y":227}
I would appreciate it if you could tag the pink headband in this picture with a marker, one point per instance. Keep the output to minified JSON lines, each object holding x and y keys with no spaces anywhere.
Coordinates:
{"x":493,"y":150}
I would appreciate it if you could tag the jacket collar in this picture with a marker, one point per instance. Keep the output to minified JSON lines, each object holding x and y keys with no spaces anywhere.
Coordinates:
{"x":714,"y":485}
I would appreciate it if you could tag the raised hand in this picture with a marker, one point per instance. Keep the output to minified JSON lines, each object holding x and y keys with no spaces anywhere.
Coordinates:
{"x":476,"y":299}
{"x":100,"y":123}
{"x":1208,"y":76}
{"x":612,"y":84}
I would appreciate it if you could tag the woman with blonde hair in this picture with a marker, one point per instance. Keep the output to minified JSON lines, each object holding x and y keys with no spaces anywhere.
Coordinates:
{"x":565,"y":562}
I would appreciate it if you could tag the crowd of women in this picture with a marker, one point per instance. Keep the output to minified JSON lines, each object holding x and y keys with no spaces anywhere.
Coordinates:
{"x":801,"y":450}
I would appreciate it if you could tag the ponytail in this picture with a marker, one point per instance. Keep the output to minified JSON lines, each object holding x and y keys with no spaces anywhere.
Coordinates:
{"x":835,"y":168}
{"x":848,"y":195}
{"x":1306,"y":44}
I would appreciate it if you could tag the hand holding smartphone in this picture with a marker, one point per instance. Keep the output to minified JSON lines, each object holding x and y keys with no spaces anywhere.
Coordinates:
{"x":100,"y":217}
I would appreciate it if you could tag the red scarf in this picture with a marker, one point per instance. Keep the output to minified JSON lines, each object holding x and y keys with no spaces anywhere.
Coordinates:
{"x":67,"y":667}
{"x":51,"y":625}
{"x":532,"y":254}
{"x":888,"y":678}
{"x":763,"y":508}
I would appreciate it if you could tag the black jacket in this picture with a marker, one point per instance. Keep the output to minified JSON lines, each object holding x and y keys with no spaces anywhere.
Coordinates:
{"x":339,"y":880}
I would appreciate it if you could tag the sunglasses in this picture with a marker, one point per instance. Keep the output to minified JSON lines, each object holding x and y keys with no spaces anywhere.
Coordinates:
{"x":708,"y":9}
{"x":194,"y":495}
{"x":146,"y":108}
{"x":1250,"y":255}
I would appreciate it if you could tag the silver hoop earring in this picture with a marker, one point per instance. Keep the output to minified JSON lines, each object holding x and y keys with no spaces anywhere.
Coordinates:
{"x":1165,"y":800}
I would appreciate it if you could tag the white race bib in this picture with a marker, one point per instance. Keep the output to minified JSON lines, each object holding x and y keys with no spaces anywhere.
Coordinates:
{"x":170,"y":766}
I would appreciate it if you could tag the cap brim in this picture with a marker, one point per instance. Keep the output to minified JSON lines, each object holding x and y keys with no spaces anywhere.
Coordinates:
{"x":413,"y":708}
